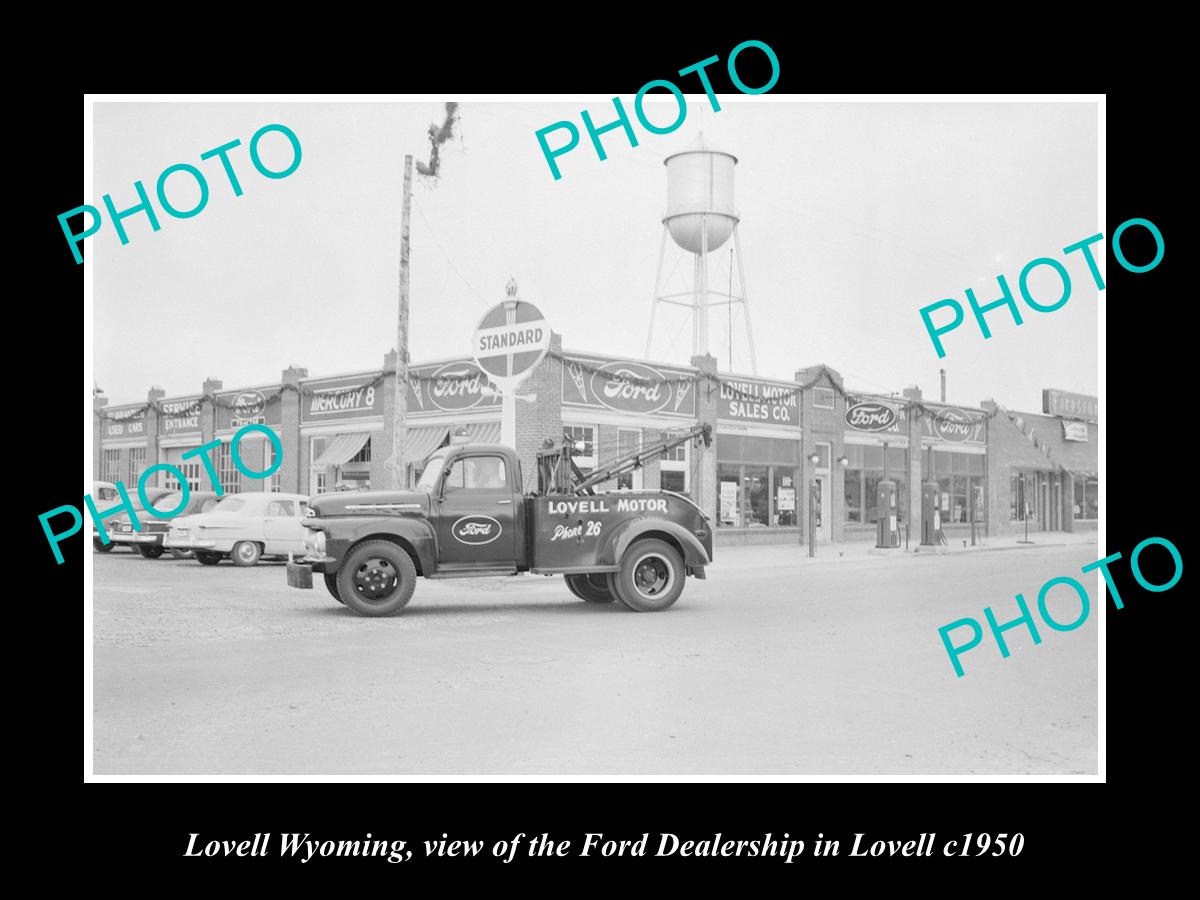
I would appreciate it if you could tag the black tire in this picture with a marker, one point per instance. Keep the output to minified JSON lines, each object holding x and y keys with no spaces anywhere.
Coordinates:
{"x":651,"y":576}
{"x":101,"y":548}
{"x":207,"y":557}
{"x":176,"y":553}
{"x":245,"y":553}
{"x":331,"y":586}
{"x":592,"y":588}
{"x":150,"y":551}
{"x":376,"y":578}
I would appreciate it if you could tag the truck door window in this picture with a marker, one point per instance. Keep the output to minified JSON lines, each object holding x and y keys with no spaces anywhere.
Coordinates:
{"x":477,"y":473}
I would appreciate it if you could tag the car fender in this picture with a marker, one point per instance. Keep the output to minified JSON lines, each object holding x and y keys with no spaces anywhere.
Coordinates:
{"x":694,"y":553}
{"x":343,"y":532}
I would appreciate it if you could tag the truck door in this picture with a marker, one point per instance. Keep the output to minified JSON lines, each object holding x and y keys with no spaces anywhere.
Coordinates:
{"x":477,"y":511}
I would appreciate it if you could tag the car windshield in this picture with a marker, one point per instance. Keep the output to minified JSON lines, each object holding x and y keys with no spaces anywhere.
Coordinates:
{"x":433,"y":468}
{"x":230,"y":505}
{"x":167,"y":502}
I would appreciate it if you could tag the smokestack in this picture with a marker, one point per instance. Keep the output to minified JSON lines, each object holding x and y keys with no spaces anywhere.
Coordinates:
{"x":942,"y":372}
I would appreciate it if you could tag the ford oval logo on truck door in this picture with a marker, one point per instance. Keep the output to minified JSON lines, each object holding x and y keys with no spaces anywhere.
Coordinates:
{"x":476,"y":530}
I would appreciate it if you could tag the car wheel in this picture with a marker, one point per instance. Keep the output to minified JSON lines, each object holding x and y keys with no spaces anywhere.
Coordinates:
{"x":150,"y":551}
{"x":101,"y":547}
{"x":245,"y":553}
{"x":593,"y":587}
{"x":331,"y":586}
{"x":376,"y":578}
{"x":181,"y":554}
{"x":207,"y":557}
{"x":651,"y":576}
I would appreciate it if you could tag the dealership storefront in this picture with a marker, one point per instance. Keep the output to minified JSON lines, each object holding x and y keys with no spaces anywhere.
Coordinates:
{"x":787,"y":455}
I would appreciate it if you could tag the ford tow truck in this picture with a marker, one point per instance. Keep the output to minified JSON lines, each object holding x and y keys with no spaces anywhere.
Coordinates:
{"x":469,"y":516}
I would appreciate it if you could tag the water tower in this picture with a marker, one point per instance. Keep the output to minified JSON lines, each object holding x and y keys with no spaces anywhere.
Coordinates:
{"x":700,"y":219}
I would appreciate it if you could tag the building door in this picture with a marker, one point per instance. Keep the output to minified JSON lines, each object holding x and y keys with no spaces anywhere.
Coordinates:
{"x":822,"y":509}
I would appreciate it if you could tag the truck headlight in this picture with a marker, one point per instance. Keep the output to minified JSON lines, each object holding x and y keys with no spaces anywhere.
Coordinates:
{"x":314,"y":542}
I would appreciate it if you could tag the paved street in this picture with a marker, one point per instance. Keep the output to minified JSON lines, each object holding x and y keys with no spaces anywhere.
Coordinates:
{"x":775,"y":665}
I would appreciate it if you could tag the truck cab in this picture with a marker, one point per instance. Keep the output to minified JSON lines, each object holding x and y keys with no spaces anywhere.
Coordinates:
{"x":469,"y":515}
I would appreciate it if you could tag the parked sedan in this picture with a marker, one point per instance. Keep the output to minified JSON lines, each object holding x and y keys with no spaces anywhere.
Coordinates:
{"x":243,"y":527}
{"x":104,"y":494}
{"x":149,"y":541}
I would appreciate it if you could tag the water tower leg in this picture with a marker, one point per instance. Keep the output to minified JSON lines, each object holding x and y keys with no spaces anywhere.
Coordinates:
{"x":737,"y":243}
{"x":662,"y":251}
{"x":701,"y":291}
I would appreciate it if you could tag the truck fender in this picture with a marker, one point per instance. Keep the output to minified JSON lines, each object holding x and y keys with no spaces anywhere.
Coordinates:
{"x":694,"y":554}
{"x":418,"y":534}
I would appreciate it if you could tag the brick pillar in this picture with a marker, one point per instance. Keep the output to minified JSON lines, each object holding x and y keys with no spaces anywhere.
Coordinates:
{"x":152,"y":435}
{"x":995,"y":480}
{"x":99,"y":401}
{"x":703,"y":475}
{"x":915,"y":450}
{"x":541,"y":418}
{"x":293,"y":468}
{"x":381,"y":444}
{"x":208,"y":428}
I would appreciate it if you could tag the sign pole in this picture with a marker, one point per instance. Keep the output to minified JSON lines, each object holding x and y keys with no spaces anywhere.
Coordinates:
{"x":400,"y":416}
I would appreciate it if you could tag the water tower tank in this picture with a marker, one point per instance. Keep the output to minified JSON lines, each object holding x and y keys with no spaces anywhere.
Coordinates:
{"x":700,"y":196}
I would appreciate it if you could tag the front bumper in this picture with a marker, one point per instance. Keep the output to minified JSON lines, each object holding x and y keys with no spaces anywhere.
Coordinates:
{"x":300,"y":573}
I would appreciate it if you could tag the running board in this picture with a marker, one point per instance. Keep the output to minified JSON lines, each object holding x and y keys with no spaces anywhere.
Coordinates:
{"x":459,"y":571}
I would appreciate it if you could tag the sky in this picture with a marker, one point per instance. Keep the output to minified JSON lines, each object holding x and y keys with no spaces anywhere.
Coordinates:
{"x":852,"y":217}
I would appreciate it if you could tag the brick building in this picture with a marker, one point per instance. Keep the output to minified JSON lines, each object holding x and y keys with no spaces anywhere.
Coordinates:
{"x":784,"y":450}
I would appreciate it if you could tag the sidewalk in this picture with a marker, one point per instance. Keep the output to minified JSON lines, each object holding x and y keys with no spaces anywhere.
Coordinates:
{"x":791,"y":554}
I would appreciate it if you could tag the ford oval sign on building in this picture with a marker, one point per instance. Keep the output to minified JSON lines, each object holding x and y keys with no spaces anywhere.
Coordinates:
{"x":953,"y":425}
{"x":476,"y":530}
{"x":630,"y":387}
{"x":870,"y":416}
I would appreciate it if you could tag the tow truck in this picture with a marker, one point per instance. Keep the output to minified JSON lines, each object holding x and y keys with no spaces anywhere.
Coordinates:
{"x":469,"y":517}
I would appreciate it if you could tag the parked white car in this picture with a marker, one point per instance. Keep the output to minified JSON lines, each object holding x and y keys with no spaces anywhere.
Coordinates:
{"x":243,"y":527}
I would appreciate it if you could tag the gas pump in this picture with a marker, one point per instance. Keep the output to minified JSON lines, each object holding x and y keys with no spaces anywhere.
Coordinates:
{"x":885,"y":503}
{"x":930,"y":517}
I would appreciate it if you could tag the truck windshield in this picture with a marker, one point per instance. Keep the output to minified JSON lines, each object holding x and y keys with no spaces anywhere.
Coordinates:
{"x":433,"y":468}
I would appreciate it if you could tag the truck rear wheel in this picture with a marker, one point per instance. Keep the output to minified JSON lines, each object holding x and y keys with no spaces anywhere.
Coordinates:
{"x":377,"y":578}
{"x":331,"y":586}
{"x":651,"y":576}
{"x":592,"y":588}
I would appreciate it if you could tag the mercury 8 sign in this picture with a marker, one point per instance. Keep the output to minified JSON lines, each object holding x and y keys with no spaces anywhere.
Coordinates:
{"x":350,"y":397}
{"x":628,"y":387}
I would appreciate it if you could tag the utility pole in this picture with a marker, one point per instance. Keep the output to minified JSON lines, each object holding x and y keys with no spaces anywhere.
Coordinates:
{"x":399,"y":420}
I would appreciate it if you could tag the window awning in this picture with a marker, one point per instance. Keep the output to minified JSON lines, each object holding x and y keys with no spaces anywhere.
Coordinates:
{"x":341,"y":449}
{"x":484,"y":432}
{"x":420,"y":442}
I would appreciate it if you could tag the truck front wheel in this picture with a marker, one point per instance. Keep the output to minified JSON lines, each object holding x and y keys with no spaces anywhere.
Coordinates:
{"x":376,"y":579}
{"x":592,"y":588}
{"x":651,"y":576}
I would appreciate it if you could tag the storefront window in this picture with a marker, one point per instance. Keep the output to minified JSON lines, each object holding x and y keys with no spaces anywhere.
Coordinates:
{"x":757,"y":481}
{"x":673,"y":481}
{"x":111,"y":470}
{"x":1087,"y":498}
{"x":227,"y":473}
{"x":864,"y":471}
{"x":960,"y":483}
{"x":629,"y":441}
{"x":137,"y":462}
